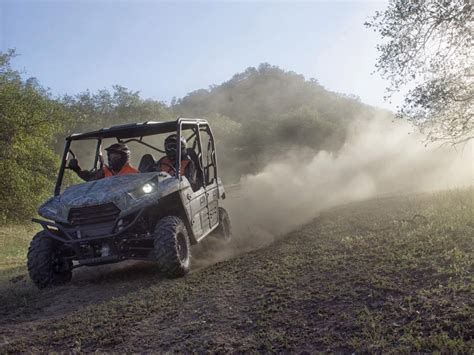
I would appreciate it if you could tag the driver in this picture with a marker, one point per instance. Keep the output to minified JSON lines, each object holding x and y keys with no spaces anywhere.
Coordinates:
{"x":168,"y":162}
{"x":118,"y":157}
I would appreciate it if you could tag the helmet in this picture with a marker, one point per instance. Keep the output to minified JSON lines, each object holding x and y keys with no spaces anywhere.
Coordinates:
{"x":171,"y":146}
{"x":119,"y":148}
{"x":118,"y":155}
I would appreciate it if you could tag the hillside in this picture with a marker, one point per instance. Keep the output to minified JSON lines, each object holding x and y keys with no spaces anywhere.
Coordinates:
{"x":389,"y":274}
{"x":256,"y":116}
{"x":268,"y":92}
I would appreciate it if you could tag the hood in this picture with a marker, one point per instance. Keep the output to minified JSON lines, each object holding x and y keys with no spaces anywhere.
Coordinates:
{"x":124,"y":191}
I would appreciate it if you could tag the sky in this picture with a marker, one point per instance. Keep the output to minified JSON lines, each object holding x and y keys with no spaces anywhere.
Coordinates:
{"x":168,"y":49}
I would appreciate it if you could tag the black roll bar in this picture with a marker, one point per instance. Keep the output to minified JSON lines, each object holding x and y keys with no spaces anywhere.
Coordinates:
{"x":141,"y":129}
{"x":59,"y":181}
{"x":97,"y":153}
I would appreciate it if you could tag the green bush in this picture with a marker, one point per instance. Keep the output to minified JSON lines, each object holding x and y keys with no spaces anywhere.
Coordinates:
{"x":30,"y":121}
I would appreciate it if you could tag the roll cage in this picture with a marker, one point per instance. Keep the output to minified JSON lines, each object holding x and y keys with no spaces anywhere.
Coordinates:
{"x":135,"y":132}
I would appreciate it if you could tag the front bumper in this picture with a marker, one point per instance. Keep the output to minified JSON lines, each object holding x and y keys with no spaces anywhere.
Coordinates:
{"x":71,"y":236}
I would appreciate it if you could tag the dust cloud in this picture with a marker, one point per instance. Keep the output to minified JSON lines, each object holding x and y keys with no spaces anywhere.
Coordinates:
{"x":380,"y":157}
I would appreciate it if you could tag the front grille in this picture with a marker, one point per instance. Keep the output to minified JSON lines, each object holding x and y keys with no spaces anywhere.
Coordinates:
{"x":93,"y":214}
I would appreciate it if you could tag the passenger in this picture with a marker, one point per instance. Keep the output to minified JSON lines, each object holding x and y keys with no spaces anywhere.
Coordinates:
{"x":168,"y":162}
{"x":118,"y":157}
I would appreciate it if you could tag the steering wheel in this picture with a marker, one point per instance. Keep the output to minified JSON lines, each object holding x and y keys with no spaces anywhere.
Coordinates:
{"x":169,"y":165}
{"x":72,"y":153}
{"x":73,"y":156}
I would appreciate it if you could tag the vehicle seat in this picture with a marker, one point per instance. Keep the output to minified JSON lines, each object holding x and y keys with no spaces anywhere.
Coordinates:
{"x":197,"y":163}
{"x":147,"y":164}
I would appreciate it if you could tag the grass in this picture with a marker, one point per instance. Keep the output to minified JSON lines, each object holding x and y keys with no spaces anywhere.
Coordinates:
{"x":14,"y":242}
{"x":386,"y":275}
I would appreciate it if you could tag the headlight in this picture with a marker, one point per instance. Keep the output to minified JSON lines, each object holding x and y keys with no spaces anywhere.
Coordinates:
{"x":148,"y":187}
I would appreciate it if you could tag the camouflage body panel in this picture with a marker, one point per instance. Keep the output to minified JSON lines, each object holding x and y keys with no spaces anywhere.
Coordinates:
{"x":124,"y":191}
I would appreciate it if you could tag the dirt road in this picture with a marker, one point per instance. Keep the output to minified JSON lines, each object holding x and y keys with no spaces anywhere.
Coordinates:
{"x":388,"y":274}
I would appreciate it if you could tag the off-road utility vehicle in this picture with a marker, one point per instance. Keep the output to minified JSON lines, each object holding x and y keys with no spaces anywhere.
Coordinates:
{"x":151,"y":215}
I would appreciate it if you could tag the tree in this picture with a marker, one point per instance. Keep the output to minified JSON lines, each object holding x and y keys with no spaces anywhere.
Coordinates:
{"x":108,"y":108}
{"x":30,"y":120}
{"x":427,"y":52}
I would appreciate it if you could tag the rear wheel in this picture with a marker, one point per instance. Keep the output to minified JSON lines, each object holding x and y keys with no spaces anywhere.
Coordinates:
{"x":172,"y":247}
{"x":224,"y":230}
{"x":46,"y":266}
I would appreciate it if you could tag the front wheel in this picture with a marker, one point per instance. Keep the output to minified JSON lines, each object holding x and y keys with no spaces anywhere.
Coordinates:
{"x":46,"y":266}
{"x":172,"y":247}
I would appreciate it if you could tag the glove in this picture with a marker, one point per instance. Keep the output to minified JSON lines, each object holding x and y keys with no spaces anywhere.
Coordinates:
{"x":74,"y":165}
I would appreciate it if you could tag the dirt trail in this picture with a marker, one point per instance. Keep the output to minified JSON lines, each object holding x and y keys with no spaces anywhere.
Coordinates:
{"x":21,"y":302}
{"x":365,"y":277}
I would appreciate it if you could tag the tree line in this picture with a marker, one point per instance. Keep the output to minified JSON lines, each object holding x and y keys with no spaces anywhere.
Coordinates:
{"x":256,"y":115}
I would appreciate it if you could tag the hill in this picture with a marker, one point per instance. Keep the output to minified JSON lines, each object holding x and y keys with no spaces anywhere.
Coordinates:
{"x":257,"y":115}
